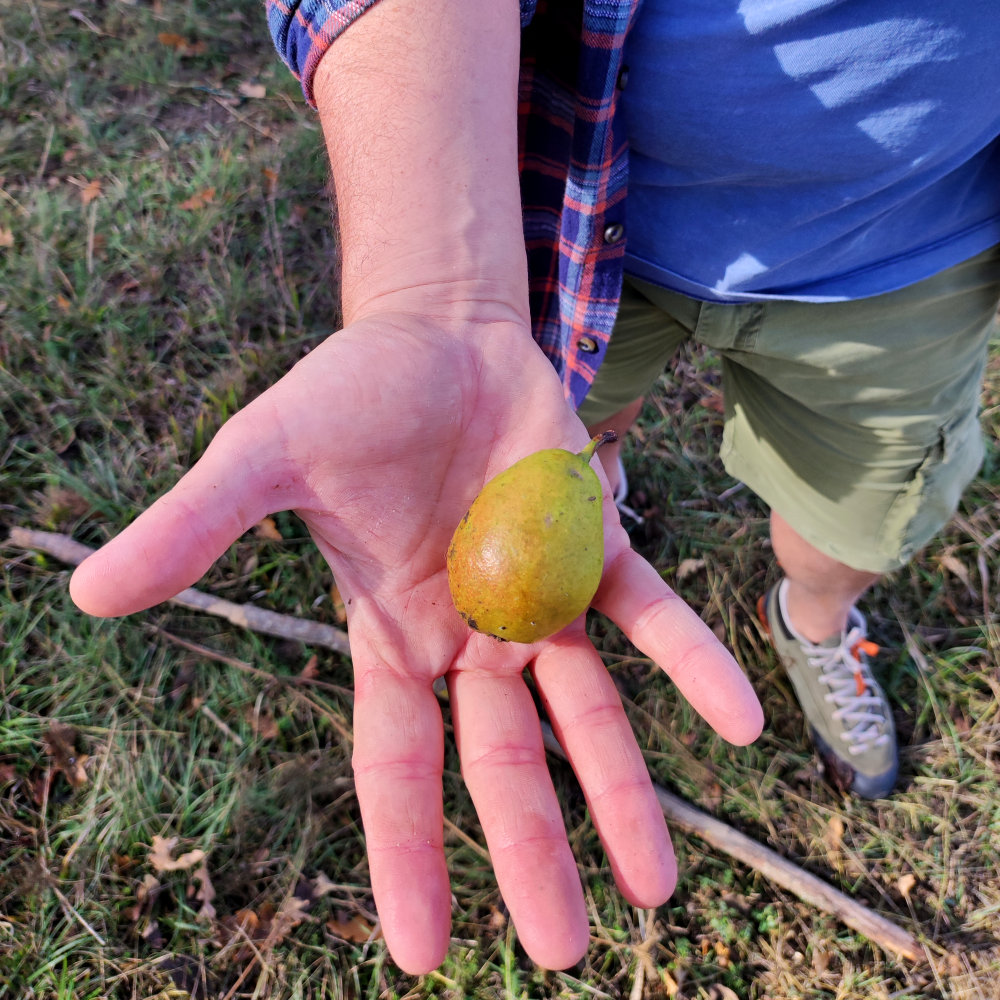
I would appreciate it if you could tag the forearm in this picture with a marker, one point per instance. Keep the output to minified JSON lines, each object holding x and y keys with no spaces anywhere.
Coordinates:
{"x":418,"y":104}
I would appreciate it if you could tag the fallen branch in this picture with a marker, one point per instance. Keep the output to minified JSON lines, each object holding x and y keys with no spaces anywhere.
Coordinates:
{"x":810,"y":889}
{"x":68,"y":550}
{"x":807,"y":887}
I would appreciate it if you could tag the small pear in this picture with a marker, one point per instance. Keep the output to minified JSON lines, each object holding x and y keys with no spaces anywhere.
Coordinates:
{"x":527,"y":557}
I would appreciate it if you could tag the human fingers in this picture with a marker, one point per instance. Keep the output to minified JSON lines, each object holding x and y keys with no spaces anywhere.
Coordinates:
{"x":503,"y":764}
{"x":665,"y":628}
{"x":174,"y":541}
{"x":398,"y":762}
{"x":590,"y":723}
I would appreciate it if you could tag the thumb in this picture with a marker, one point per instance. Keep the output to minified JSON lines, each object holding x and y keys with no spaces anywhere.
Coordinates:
{"x":174,"y":542}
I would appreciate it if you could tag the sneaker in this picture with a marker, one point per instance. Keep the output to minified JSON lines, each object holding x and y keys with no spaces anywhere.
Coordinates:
{"x":848,"y":713}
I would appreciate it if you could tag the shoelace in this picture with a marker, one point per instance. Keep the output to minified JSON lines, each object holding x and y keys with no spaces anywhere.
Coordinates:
{"x":846,"y":674}
{"x":622,"y":494}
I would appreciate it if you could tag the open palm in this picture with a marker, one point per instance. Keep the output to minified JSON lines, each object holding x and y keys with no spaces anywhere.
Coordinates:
{"x":379,"y":439}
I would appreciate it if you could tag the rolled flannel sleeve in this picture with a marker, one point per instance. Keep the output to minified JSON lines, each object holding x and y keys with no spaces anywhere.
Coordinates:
{"x":304,"y":29}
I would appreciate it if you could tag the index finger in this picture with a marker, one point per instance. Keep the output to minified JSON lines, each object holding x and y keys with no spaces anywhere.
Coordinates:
{"x":666,"y":629}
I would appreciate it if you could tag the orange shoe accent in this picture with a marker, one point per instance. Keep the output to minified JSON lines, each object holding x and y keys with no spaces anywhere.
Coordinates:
{"x":762,"y":614}
{"x":869,"y":648}
{"x":866,"y":646}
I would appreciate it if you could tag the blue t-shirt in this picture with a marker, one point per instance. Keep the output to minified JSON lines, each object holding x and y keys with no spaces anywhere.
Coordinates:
{"x":811,"y":149}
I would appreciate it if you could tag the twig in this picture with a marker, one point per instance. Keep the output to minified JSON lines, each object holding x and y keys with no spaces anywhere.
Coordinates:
{"x":214,"y":654}
{"x":810,"y":889}
{"x":806,"y":886}
{"x":247,"y":616}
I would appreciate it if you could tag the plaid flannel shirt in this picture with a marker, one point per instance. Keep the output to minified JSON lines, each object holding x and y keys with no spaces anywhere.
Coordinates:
{"x":572,"y":159}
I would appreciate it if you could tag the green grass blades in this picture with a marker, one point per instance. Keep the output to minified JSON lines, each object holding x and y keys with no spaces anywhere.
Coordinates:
{"x":165,"y":253}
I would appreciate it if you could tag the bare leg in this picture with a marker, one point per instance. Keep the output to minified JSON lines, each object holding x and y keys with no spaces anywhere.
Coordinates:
{"x":619,"y":422}
{"x":820,"y":589}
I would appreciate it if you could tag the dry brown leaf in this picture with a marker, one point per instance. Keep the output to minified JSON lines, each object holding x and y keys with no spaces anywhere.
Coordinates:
{"x":145,"y":894}
{"x":181,"y":45}
{"x":39,"y":786}
{"x":262,"y":928}
{"x":688,"y":567}
{"x":145,"y":897}
{"x":6,"y":238}
{"x":198,"y":201}
{"x":250,"y":921}
{"x":963,"y":724}
{"x":905,"y":884}
{"x":244,"y":922}
{"x":270,"y":180}
{"x":254,"y":91}
{"x":311,"y":670}
{"x":7,"y":774}
{"x":498,"y":919}
{"x":834,"y":835}
{"x":821,"y":961}
{"x":263,"y":724}
{"x":151,"y":933}
{"x":121,"y":862}
{"x":670,"y":985}
{"x":711,"y":796}
{"x":291,"y":913}
{"x":90,"y":191}
{"x":353,"y":928}
{"x":162,"y":859}
{"x":205,"y":893}
{"x":60,"y":744}
{"x":148,"y":887}
{"x":268,"y":529}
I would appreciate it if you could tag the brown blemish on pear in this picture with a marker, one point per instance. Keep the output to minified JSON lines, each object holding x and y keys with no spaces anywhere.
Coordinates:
{"x":527,"y":557}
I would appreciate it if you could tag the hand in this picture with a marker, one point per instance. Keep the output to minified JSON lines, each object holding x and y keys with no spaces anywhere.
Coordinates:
{"x":379,"y":439}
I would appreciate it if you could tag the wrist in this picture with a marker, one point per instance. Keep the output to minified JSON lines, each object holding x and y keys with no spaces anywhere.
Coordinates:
{"x":419,"y":108}
{"x":460,"y":303}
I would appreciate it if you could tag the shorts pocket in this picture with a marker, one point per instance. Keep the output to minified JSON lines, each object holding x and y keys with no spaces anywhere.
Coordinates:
{"x":928,"y":500}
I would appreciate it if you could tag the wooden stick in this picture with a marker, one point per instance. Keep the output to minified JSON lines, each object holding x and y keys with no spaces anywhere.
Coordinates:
{"x":247,"y":616}
{"x":810,"y":889}
{"x":807,"y":887}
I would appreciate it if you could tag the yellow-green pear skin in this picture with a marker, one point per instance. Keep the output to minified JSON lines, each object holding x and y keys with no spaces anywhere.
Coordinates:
{"x":527,"y":558}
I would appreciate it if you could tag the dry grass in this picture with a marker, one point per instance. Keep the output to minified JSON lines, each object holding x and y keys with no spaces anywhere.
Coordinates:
{"x":132,"y":327}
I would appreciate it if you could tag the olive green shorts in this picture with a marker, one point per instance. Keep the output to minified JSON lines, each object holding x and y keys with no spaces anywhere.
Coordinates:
{"x":858,"y":422}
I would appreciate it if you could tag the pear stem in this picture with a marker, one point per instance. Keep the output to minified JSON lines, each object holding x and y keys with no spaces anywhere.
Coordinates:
{"x":605,"y":437}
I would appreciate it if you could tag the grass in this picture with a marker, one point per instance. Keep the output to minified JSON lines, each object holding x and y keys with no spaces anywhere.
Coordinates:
{"x":165,"y":253}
